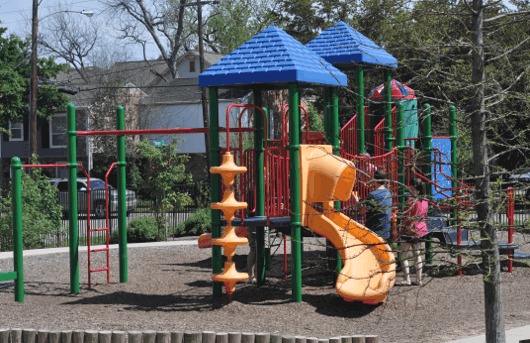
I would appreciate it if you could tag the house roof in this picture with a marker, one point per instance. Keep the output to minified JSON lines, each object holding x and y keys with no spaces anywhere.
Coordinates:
{"x":274,"y":58}
{"x":185,"y":90}
{"x":342,"y":45}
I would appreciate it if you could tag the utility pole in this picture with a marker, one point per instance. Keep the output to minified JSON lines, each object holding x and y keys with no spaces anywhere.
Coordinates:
{"x":203,"y":89}
{"x":33,"y":84}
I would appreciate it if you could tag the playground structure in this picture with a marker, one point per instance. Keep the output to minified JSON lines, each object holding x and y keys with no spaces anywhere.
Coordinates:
{"x":276,"y":185}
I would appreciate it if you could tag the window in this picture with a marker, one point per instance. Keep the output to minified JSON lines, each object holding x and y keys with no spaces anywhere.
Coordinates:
{"x":63,"y":186}
{"x":192,"y":66}
{"x":17,"y":132}
{"x":58,"y":131}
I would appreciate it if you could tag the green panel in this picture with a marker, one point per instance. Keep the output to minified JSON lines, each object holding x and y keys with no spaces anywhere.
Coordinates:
{"x":410,"y":108}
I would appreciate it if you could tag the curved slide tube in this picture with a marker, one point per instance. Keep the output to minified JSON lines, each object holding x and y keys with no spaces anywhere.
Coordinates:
{"x":369,"y":265}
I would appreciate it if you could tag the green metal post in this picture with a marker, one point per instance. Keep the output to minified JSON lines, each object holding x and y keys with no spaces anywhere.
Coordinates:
{"x":215,"y":180}
{"x":359,"y":82}
{"x":389,"y":139}
{"x":426,"y":168}
{"x":294,"y":172}
{"x":325,"y":100}
{"x":400,"y":140}
{"x":122,"y":210}
{"x":71,"y":148}
{"x":16,"y":189}
{"x":335,"y":142}
{"x":454,"y":160}
{"x":259,"y":139}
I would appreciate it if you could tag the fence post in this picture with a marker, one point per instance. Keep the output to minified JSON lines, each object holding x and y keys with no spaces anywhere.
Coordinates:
{"x":510,"y":214}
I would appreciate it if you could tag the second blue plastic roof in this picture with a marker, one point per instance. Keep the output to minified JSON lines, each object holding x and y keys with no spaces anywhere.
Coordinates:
{"x":343,"y":45}
{"x":272,"y":57}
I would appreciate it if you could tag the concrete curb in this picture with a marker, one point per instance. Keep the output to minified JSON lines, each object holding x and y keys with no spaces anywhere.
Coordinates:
{"x":36,"y":252}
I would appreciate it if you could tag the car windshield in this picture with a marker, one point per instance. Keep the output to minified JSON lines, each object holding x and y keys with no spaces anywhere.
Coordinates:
{"x":98,"y":184}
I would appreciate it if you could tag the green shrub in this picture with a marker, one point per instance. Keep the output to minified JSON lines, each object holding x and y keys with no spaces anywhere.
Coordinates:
{"x":41,"y":213}
{"x":142,"y":229}
{"x":200,"y":222}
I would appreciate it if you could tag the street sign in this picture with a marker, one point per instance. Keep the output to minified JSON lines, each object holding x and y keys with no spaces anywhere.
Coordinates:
{"x":159,"y":142}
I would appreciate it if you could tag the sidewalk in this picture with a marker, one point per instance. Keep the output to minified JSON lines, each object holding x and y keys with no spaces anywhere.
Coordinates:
{"x":512,"y":336}
{"x":35,"y":252}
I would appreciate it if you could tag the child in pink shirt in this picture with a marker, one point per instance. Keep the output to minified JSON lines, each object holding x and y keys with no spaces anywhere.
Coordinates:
{"x":413,"y":229}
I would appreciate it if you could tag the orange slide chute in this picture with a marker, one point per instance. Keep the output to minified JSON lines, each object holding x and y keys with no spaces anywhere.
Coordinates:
{"x":369,"y":265}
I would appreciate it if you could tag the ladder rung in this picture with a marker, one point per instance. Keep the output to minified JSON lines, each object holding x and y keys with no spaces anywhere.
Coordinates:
{"x":99,"y":270}
{"x":96,"y":250}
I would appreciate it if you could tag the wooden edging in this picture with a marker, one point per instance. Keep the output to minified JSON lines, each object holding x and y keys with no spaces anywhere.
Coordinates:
{"x":91,"y":336}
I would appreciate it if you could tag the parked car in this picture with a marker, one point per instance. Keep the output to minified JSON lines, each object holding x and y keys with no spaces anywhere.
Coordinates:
{"x":97,"y":196}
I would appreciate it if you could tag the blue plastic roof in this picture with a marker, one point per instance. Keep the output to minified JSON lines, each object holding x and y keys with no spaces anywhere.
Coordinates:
{"x":272,"y":57}
{"x":343,"y":45}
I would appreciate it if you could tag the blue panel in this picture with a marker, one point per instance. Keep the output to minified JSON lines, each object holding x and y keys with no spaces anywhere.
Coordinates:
{"x":343,"y":44}
{"x":444,"y":145}
{"x":272,"y":56}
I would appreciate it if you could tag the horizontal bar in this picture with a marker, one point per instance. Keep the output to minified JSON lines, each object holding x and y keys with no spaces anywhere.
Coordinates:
{"x":157,"y":131}
{"x":44,"y":165}
{"x":96,"y":250}
{"x":8,"y":276}
{"x":99,"y":270}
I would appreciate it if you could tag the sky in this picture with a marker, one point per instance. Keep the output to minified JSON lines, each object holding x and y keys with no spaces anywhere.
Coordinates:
{"x":16,"y":16}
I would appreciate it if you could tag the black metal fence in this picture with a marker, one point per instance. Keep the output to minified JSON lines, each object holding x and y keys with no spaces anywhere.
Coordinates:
{"x":137,"y":205}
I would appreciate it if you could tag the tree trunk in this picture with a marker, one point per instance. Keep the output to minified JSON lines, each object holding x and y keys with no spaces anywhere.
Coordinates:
{"x":490,"y":250}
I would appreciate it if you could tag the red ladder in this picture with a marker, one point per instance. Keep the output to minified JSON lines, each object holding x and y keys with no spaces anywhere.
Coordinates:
{"x":106,"y":228}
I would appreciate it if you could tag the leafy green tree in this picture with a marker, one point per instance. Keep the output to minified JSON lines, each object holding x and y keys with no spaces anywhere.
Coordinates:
{"x":167,"y":169}
{"x":315,"y":119}
{"x":41,"y":213}
{"x":14,"y":82}
{"x":237,"y":21}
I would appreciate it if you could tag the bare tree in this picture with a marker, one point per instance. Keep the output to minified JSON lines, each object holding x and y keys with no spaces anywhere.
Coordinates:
{"x":473,"y":61}
{"x":82,"y":43}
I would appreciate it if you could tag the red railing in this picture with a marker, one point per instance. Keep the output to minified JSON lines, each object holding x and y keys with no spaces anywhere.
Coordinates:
{"x":379,"y":138}
{"x":366,"y":167}
{"x":348,"y":134}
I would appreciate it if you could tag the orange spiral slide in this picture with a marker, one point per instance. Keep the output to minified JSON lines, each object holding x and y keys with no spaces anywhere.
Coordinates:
{"x":369,"y":265}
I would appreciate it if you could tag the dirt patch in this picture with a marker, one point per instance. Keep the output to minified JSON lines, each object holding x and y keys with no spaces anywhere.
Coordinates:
{"x":170,"y":288}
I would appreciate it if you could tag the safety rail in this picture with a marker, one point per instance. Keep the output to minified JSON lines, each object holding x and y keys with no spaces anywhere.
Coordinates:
{"x":366,"y":167}
{"x":348,"y":133}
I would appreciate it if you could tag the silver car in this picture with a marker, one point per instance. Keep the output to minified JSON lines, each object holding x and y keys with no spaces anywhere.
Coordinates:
{"x":97,"y":196}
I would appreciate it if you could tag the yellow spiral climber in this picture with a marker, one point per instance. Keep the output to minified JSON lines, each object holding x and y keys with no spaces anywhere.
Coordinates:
{"x":229,"y":241}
